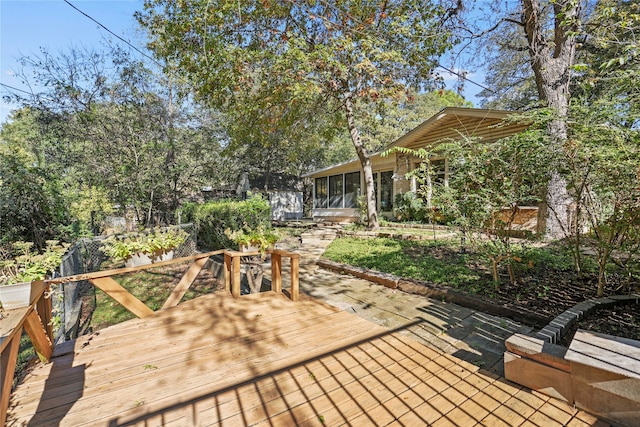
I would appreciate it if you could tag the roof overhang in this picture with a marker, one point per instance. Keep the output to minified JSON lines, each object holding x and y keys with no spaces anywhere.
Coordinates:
{"x":451,"y":123}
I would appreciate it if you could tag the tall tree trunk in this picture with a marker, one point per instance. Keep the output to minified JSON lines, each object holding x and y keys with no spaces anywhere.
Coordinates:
{"x":365,"y":161}
{"x":552,"y":56}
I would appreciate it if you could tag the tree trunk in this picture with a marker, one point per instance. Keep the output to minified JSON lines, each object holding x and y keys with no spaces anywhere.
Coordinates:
{"x":494,"y":273}
{"x":551,"y":61}
{"x":365,"y":162}
{"x":602,"y":271}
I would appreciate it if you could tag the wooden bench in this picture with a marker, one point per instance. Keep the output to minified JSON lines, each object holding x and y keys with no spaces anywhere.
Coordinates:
{"x":598,"y":373}
{"x":605,"y":352}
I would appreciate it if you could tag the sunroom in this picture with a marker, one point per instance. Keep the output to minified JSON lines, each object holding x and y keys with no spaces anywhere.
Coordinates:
{"x":336,"y":189}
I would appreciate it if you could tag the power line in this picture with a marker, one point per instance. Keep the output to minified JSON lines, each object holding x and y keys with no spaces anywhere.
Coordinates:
{"x":114,"y":34}
{"x":25,"y":91}
{"x":15,"y":88}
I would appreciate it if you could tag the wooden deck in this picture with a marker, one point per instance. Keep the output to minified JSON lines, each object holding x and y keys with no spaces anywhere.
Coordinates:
{"x":268,"y":361}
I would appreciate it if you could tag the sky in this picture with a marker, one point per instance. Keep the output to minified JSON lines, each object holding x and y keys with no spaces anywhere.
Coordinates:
{"x":28,"y":25}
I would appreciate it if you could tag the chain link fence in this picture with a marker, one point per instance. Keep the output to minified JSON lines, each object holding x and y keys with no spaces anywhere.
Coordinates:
{"x":74,"y":302}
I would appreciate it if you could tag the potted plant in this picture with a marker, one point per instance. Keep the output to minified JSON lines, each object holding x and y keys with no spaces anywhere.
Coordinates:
{"x":145,"y":248}
{"x":23,"y":267}
{"x":257,"y":240}
{"x":260,"y":240}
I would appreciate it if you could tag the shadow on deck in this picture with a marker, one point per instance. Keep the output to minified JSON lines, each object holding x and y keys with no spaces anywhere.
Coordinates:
{"x":265,"y":360}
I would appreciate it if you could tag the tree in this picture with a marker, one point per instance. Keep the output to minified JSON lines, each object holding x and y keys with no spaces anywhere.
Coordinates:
{"x":399,"y":117}
{"x":334,"y":54}
{"x":31,"y":204}
{"x":552,"y":58}
{"x":603,"y":154}
{"x":509,"y":80}
{"x":117,"y":129}
{"x":267,"y":135}
{"x":490,"y":183}
{"x":551,"y":30}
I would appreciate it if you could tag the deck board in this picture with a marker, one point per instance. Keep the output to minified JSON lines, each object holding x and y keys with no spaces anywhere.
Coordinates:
{"x":259,"y":360}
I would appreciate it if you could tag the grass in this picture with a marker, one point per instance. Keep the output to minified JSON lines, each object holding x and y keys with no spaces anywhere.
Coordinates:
{"x":441,"y":262}
{"x":422,"y":232}
{"x":152,"y":287}
{"x":434,"y":261}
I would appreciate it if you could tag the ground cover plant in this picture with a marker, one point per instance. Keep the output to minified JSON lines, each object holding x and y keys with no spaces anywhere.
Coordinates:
{"x":545,"y":280}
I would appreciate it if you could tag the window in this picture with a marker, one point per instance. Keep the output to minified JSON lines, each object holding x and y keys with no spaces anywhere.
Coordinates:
{"x":351,"y":189}
{"x":386,"y":191}
{"x":335,"y":191}
{"x":320,"y":200}
{"x":383,"y":188}
{"x":375,"y":187}
{"x":439,"y":171}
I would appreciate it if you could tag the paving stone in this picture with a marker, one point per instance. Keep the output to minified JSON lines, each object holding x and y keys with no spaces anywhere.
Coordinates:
{"x":474,"y":336}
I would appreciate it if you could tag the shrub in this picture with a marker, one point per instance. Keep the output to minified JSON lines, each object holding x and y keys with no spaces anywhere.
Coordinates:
{"x":263,"y":238}
{"x":409,"y":207}
{"x":213,"y":218}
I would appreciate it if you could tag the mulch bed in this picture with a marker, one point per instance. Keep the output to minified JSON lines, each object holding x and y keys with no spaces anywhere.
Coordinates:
{"x":620,"y":321}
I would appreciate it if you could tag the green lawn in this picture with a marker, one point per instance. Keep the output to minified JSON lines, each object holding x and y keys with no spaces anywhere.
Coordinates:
{"x":436,"y":261}
{"x":442,"y":262}
{"x":152,"y":287}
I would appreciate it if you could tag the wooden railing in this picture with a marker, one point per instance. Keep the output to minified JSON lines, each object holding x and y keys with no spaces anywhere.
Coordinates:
{"x":36,"y":318}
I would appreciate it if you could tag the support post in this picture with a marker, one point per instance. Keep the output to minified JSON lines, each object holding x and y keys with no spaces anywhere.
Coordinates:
{"x":295,"y":277}
{"x":235,"y":275}
{"x":8,"y":359}
{"x":44,"y":310}
{"x":227,"y":272}
{"x":276,"y":272}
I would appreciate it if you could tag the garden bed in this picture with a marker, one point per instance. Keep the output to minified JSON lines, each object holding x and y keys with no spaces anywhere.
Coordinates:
{"x":546,"y":284}
{"x":621,"y":320}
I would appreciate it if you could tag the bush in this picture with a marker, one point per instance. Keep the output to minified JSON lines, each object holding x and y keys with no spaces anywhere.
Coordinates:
{"x":213,"y":218}
{"x":408,"y":207}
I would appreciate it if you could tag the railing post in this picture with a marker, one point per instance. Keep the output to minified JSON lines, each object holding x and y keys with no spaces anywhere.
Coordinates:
{"x":295,"y":276}
{"x":8,"y":359}
{"x":276,"y":272}
{"x":227,"y":272}
{"x":235,"y":279}
{"x":44,"y":309}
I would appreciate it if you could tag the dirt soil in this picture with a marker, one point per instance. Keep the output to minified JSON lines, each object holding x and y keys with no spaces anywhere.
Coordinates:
{"x":552,"y":293}
{"x":620,"y":321}
{"x":547,"y":291}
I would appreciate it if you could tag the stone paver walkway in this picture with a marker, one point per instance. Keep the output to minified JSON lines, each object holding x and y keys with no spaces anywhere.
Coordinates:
{"x":470,"y":335}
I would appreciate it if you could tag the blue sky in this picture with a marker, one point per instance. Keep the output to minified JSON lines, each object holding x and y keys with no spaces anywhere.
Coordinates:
{"x":27,"y":25}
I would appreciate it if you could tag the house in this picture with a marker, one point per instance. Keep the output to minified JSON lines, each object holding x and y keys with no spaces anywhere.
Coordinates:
{"x":336,"y":188}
